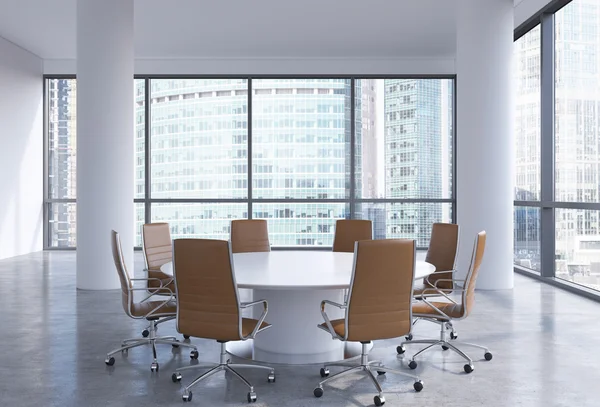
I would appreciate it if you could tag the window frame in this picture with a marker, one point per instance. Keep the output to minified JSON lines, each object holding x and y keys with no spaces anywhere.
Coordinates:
{"x":351,"y":199}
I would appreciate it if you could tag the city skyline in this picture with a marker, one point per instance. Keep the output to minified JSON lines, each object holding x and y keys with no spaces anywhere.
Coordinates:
{"x":301,"y":127}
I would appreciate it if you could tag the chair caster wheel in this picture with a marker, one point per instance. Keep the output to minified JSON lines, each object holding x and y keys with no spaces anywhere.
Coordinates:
{"x":175,"y":344}
{"x":271,"y":378}
{"x":418,"y":386}
{"x":187,"y":396}
{"x":324,"y":372}
{"x":154,"y":367}
{"x":252,"y":397}
{"x":453,"y":335}
{"x":488,"y":356}
{"x":109,"y":361}
{"x":194,"y":354}
{"x":412,"y":364}
{"x":318,"y":392}
{"x":176,"y":377}
{"x":379,"y":400}
{"x":145,"y":333}
{"x":469,"y":368}
{"x":380,"y":372}
{"x":400,"y":349}
{"x":409,"y":337}
{"x":445,"y":347}
{"x":186,"y":337}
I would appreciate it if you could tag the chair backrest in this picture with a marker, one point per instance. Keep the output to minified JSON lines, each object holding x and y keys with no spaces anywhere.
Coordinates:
{"x":156,"y":242}
{"x":442,"y":251}
{"x":249,"y":235}
{"x":206,"y":292}
{"x":124,"y":278}
{"x":349,"y":231}
{"x":476,"y":258}
{"x":380,"y":299}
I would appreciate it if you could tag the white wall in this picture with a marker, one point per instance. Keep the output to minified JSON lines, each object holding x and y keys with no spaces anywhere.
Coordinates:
{"x":276,"y":66}
{"x":21,"y":151}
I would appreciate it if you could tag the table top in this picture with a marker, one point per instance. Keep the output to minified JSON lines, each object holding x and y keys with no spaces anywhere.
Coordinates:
{"x":298,"y":269}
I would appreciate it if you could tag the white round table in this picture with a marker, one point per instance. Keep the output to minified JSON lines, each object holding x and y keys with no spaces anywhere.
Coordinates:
{"x":294,"y":282}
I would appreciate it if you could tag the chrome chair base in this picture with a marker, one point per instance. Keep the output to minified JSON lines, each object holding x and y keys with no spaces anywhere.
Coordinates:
{"x":152,"y":340}
{"x":224,"y":365}
{"x":454,"y":346}
{"x":449,"y":326}
{"x":366,"y":366}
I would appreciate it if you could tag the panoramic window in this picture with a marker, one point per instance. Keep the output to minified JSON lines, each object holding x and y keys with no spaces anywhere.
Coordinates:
{"x":577,"y":135}
{"x":295,"y":158}
{"x":527,"y":77}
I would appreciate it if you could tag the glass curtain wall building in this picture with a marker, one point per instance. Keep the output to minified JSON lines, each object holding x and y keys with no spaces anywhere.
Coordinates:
{"x":288,"y":150}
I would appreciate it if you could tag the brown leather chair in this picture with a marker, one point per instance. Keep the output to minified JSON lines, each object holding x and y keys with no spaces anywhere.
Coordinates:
{"x":378,"y":306}
{"x":443,"y":312}
{"x":157,"y":248}
{"x":156,"y":242}
{"x":349,"y":231}
{"x":153,"y":310}
{"x":209,"y":307}
{"x":442,"y":251}
{"x":249,"y":236}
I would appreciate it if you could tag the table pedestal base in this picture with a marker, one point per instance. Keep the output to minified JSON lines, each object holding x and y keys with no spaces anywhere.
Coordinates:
{"x":294,"y":337}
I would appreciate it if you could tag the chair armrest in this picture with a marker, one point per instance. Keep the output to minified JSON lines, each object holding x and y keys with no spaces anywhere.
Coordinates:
{"x":148,"y":279}
{"x":162,"y":304}
{"x":437,"y":273}
{"x":335,"y":304}
{"x":437,"y":292}
{"x":334,"y":335}
{"x":154,"y":291}
{"x":261,"y":319}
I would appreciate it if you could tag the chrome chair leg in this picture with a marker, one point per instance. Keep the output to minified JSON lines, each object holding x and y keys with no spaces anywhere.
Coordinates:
{"x":446,"y":344}
{"x":367,"y":367}
{"x":340,"y":374}
{"x":224,"y":364}
{"x":139,"y":342}
{"x":395,"y":371}
{"x":425,"y":349}
{"x":187,"y":394}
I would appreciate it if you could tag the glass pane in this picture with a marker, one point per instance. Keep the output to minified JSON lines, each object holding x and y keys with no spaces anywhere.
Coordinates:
{"x":527,"y":71}
{"x":199,"y":138}
{"x":62,"y":132}
{"x":404,"y":138}
{"x":404,"y":220}
{"x":578,"y":246}
{"x":140,"y":216}
{"x":577,"y":88}
{"x":140,"y":138}
{"x":301,"y":224}
{"x":62,"y":225}
{"x":199,"y":220}
{"x":300,"y":138}
{"x":527,"y":237}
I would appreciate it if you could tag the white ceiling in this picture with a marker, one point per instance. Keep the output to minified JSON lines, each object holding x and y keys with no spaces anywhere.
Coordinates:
{"x":249,"y":28}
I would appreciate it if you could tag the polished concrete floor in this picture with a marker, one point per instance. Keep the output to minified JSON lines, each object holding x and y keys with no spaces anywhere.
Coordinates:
{"x":53,"y":341}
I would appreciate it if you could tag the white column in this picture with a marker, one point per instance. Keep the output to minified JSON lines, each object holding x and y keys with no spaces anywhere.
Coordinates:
{"x":485,"y":140}
{"x":105,"y":139}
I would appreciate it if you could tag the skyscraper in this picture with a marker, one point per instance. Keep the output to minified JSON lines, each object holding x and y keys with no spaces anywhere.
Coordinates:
{"x":300,"y":150}
{"x":414,"y":168}
{"x":61,"y":159}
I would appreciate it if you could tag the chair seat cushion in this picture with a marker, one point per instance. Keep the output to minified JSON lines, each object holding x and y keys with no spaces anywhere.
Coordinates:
{"x":248,"y":325}
{"x":141,"y":309}
{"x":422,"y":309}
{"x":338,"y":326}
